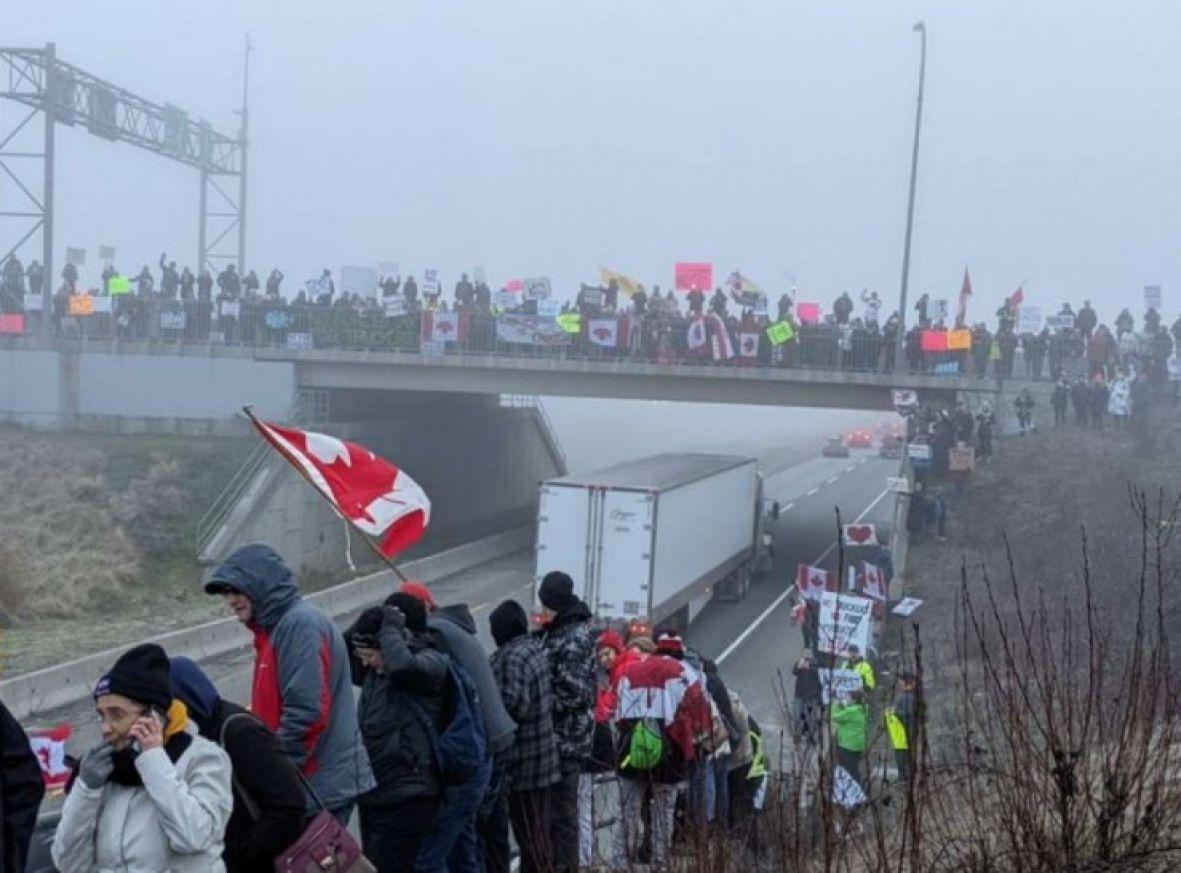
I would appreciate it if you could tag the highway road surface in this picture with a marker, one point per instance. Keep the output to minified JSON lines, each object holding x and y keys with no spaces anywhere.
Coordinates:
{"x":753,"y":640}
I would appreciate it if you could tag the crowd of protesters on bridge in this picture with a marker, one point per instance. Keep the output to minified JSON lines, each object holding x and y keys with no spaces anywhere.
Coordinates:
{"x":446,"y":750}
{"x":726,"y":327}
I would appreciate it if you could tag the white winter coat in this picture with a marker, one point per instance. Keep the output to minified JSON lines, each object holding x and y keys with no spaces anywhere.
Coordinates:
{"x":175,"y":822}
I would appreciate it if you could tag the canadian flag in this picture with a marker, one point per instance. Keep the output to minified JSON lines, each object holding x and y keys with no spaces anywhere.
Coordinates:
{"x":49,"y":745}
{"x":444,"y":327}
{"x":377,"y":497}
{"x":720,"y":346}
{"x":603,"y":332}
{"x":873,"y":581}
{"x":811,"y":582}
{"x":695,"y":338}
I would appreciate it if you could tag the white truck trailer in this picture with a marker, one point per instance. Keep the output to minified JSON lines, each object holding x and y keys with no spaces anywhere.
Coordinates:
{"x":648,"y":542}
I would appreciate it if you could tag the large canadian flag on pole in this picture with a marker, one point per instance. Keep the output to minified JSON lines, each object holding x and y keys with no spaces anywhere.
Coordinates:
{"x":374,"y":495}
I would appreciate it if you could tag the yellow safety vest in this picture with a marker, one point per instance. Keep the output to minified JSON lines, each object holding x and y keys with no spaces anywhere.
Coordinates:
{"x":897,"y":730}
{"x":758,"y":764}
{"x":865,"y":671}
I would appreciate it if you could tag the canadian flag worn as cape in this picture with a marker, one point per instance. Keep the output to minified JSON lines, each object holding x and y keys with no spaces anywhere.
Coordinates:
{"x":377,"y":497}
{"x":670,"y":692}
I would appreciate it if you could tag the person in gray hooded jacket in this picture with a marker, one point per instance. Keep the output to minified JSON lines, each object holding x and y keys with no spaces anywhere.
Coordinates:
{"x":302,"y":687}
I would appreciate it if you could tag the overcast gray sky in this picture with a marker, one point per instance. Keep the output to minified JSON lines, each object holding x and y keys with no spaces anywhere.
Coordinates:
{"x":542,"y":138}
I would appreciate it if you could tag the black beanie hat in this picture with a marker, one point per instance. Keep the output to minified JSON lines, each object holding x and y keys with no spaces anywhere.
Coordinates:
{"x":141,"y":674}
{"x":411,"y":607}
{"x":508,"y":621}
{"x":557,"y":591}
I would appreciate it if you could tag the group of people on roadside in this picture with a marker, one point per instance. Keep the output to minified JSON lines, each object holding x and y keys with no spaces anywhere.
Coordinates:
{"x":439,"y":749}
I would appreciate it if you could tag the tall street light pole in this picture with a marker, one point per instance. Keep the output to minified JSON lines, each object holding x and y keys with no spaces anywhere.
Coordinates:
{"x":900,"y":346}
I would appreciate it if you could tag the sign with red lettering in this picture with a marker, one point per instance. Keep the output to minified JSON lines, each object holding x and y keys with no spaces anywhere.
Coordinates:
{"x":690,"y":275}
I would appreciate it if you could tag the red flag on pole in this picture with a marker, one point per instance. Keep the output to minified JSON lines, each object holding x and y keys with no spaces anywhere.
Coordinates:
{"x":374,"y":495}
{"x":1017,"y":297}
{"x":965,"y":292}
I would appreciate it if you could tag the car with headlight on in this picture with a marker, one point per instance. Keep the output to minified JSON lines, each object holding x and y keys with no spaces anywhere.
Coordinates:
{"x":835,"y":448}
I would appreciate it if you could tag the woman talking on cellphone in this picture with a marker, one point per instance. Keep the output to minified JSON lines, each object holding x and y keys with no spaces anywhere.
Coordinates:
{"x":153,"y":795}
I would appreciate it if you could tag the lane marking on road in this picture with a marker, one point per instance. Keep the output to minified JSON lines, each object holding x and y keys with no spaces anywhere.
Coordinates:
{"x":830,"y":481}
{"x":778,"y":601}
{"x":786,"y":508}
{"x":851,"y":467}
{"x":813,"y":491}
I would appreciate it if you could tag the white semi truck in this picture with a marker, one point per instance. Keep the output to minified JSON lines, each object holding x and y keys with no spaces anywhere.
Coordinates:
{"x":649,"y":542}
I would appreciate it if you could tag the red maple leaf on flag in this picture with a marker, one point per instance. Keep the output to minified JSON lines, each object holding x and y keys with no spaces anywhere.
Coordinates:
{"x":375,"y":495}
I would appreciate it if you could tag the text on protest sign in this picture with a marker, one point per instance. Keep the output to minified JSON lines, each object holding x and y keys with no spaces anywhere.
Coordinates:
{"x":537,"y":288}
{"x":845,"y":620}
{"x":1152,"y":297}
{"x":1060,"y":322}
{"x":905,"y":397}
{"x":1030,"y":320}
{"x":838,"y":684}
{"x":690,"y":275}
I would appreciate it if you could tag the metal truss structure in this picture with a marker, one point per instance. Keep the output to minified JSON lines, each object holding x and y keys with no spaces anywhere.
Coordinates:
{"x":64,"y":94}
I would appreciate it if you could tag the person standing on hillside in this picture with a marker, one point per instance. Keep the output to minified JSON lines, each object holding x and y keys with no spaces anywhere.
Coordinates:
{"x":269,"y":805}
{"x":302,"y":687}
{"x":849,"y":723}
{"x":1058,"y":399}
{"x":570,"y":645}
{"x":807,"y":698}
{"x":482,"y":837}
{"x":21,"y":790}
{"x":1080,"y":399}
{"x":901,"y":720}
{"x":522,"y":672}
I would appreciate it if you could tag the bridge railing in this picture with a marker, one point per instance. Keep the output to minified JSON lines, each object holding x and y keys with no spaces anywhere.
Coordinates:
{"x":651,"y":339}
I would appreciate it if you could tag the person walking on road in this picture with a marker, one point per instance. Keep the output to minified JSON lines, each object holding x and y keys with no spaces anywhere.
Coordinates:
{"x":302,"y":686}
{"x":522,"y":672}
{"x":569,"y":643}
{"x":402,"y":669}
{"x":21,"y":791}
{"x":152,"y":796}
{"x":269,"y":803}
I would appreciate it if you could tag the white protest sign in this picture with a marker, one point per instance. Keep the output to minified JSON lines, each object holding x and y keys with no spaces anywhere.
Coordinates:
{"x":1152,"y":297}
{"x":905,"y":397}
{"x":1030,"y":320}
{"x":1060,"y":322}
{"x":299,"y":340}
{"x":938,"y":310}
{"x":845,"y":620}
{"x":106,"y":253}
{"x":537,"y":288}
{"x":897,"y":484}
{"x":1174,"y":365}
{"x":229,"y":309}
{"x":358,"y":280}
{"x":838,"y":684}
{"x":102,"y":305}
{"x":846,"y":791}
{"x":33,"y":302}
{"x":389,"y":270}
{"x":506,"y":300}
{"x":907,"y":606}
{"x":430,"y":286}
{"x":860,"y":535}
{"x":395,"y":306}
{"x":919,"y":451}
{"x":549,"y":308}
{"x":77,"y":257}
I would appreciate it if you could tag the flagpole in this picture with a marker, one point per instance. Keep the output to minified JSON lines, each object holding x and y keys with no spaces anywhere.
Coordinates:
{"x":900,"y":340}
{"x":249,"y":412}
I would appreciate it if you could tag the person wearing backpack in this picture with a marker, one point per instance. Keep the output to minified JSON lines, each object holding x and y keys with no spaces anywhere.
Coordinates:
{"x":522,"y":673}
{"x":403,"y":673}
{"x":662,"y":708}
{"x":569,"y":642}
{"x":482,"y":844}
{"x":268,"y":797}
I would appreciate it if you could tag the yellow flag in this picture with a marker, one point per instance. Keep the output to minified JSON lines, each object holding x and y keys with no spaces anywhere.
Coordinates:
{"x":627,"y":285}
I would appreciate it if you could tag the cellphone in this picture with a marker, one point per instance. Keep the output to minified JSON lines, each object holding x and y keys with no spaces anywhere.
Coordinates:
{"x":151,"y":712}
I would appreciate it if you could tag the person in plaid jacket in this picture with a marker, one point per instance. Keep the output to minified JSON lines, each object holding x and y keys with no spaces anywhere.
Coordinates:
{"x":522,"y":673}
{"x":569,"y":641}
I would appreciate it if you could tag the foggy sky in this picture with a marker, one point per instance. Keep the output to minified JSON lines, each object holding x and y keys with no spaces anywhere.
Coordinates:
{"x":541,"y":138}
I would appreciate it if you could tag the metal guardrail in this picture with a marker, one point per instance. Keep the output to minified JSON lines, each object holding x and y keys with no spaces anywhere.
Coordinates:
{"x":647,"y":339}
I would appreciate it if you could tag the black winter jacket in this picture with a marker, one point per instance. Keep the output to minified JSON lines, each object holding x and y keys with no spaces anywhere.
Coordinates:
{"x":21,"y":790}
{"x":400,"y":748}
{"x":266,"y":775}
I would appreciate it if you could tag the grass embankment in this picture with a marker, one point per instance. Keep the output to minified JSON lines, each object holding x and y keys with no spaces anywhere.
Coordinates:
{"x":98,"y":536}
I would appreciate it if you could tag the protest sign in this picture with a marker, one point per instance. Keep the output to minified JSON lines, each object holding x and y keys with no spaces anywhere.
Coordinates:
{"x":959,"y":340}
{"x":897,"y":484}
{"x":691,"y":274}
{"x":748,"y":344}
{"x":938,"y":310}
{"x":907,"y":606}
{"x":81,"y":304}
{"x":430,"y":286}
{"x":389,"y":270}
{"x":1152,"y":297}
{"x":395,"y":306}
{"x":276,"y":320}
{"x":919,"y":452}
{"x":846,"y":790}
{"x":229,"y":309}
{"x":571,"y":322}
{"x":1174,"y":366}
{"x":77,"y":257}
{"x":479,"y":275}
{"x":299,"y":340}
{"x":780,"y":332}
{"x":1030,"y":320}
{"x":118,"y":285}
{"x":934,"y":340}
{"x":537,"y":288}
{"x":904,"y":397}
{"x":838,"y":684}
{"x":860,"y":535}
{"x":172,"y":319}
{"x":548,"y":308}
{"x":12,"y":323}
{"x":33,"y":302}
{"x":961,"y":459}
{"x":503,"y":300}
{"x":845,"y":620}
{"x":103,"y":305}
{"x":49,"y":746}
{"x":1059,"y":322}
{"x":808,"y":313}
{"x":106,"y":253}
{"x":514,"y":285}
